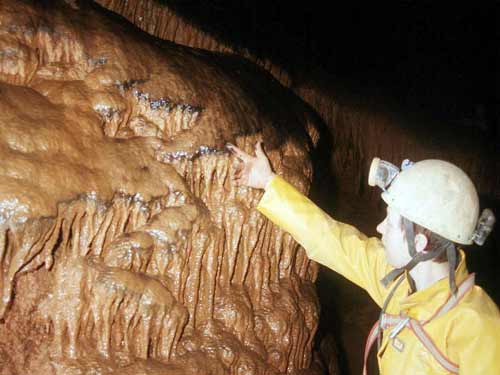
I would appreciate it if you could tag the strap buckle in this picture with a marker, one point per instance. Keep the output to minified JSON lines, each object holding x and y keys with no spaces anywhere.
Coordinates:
{"x":395,"y":331}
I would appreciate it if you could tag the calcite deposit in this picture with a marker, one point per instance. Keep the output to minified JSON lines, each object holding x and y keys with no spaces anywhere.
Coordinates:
{"x":125,"y":247}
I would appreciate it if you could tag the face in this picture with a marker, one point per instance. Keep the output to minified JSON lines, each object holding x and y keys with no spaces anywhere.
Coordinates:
{"x":393,"y":238}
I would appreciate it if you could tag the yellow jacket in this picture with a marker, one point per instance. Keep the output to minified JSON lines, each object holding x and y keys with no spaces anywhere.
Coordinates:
{"x":468,"y":335}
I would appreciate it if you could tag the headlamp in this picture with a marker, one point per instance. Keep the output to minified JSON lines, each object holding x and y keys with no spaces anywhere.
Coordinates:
{"x":381,"y":173}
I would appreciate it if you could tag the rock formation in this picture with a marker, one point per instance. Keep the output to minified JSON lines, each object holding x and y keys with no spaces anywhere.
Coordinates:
{"x":124,"y":245}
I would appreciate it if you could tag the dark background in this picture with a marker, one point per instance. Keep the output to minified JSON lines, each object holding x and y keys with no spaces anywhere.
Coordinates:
{"x":440,"y":57}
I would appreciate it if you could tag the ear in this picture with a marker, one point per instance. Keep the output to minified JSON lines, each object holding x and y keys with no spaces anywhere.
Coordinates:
{"x":421,"y":242}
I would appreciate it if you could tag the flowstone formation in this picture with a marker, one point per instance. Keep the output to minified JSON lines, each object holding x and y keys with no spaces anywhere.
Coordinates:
{"x":125,"y":247}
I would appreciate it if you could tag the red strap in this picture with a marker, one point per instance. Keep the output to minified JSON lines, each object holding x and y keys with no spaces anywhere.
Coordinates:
{"x":416,"y":327}
{"x":424,"y":338}
{"x":370,"y":340}
{"x":453,"y":300}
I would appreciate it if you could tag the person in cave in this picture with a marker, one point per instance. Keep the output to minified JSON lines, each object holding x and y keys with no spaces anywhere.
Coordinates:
{"x":433,"y":319}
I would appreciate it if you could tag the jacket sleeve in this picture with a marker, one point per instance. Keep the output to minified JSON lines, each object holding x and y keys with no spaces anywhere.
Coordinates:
{"x":338,"y":246}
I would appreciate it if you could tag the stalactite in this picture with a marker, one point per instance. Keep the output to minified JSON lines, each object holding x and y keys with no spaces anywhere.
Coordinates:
{"x":112,"y":290}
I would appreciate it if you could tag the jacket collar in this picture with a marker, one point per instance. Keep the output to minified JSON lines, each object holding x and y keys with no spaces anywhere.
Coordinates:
{"x":421,"y":305}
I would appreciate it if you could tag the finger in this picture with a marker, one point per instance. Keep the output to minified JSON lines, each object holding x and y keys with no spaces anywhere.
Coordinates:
{"x":238,"y":173}
{"x":239,"y":153}
{"x":259,"y":152}
{"x":240,"y":181}
{"x":239,"y":168}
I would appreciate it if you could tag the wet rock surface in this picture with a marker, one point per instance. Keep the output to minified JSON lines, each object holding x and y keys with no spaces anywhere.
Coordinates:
{"x":124,"y":245}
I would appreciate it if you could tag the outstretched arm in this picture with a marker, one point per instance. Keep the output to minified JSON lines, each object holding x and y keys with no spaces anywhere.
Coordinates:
{"x":338,"y":246}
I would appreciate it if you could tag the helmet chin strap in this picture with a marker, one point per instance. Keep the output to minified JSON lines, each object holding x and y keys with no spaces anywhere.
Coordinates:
{"x":417,"y":257}
{"x":410,"y":236}
{"x":451,"y":254}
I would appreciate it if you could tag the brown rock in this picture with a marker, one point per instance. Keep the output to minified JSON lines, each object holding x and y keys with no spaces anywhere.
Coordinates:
{"x":124,"y":245}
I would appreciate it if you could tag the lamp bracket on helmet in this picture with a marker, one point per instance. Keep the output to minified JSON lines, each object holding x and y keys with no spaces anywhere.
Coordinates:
{"x":407,"y":163}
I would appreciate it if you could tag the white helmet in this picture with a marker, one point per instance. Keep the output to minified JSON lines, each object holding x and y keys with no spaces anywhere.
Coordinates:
{"x":436,"y":195}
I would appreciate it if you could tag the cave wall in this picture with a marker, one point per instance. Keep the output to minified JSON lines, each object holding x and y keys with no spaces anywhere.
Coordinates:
{"x":124,"y":245}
